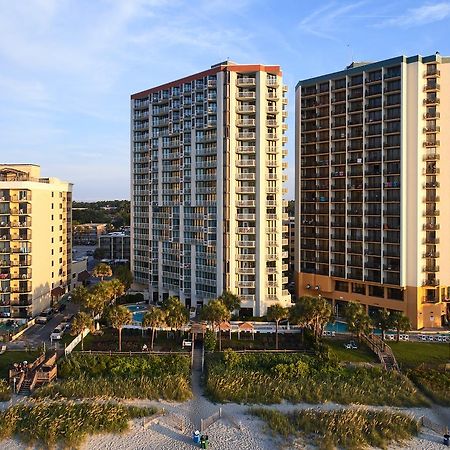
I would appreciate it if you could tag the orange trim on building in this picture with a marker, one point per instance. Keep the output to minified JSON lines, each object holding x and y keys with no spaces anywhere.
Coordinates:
{"x":205,"y":73}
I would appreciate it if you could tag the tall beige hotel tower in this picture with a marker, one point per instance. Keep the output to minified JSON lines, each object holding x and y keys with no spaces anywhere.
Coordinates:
{"x":372,"y":153}
{"x":207,"y":186}
{"x":35,"y":240}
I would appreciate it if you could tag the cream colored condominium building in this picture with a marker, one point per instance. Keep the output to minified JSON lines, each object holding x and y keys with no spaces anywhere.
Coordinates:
{"x":372,"y":148}
{"x":207,"y":187}
{"x":35,"y":239}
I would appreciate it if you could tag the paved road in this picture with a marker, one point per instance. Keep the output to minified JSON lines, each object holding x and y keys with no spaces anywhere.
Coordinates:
{"x":40,"y":333}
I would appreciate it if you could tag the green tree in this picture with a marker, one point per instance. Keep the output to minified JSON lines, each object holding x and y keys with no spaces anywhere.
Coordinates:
{"x":177,"y":314}
{"x":276,"y":313}
{"x":154,"y":318}
{"x":230,"y":300}
{"x":101,"y":271}
{"x":312,"y":313}
{"x":97,"y":299}
{"x":382,"y":320}
{"x":357,"y":319}
{"x":215,"y":312}
{"x":123,"y":273}
{"x":80,"y":322}
{"x":79,"y":295}
{"x":118,"y":317}
{"x":400,"y":323}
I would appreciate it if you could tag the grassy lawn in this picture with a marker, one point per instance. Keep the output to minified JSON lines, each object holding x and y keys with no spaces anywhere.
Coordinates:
{"x":272,"y":377}
{"x":361,"y":354}
{"x":132,"y":341}
{"x":434,"y":383}
{"x":412,"y":354}
{"x":11,"y":357}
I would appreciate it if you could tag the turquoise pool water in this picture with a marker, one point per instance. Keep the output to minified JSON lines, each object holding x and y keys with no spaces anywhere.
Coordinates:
{"x":138,"y":312}
{"x":338,"y":327}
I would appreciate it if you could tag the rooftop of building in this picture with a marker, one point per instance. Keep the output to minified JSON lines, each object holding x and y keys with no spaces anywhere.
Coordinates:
{"x":20,"y":173}
{"x":215,"y":68}
{"x":358,"y":67}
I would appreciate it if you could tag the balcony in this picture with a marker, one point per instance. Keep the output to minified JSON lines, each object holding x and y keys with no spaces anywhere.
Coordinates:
{"x":430,"y":282}
{"x":246,"y":217}
{"x":246,"y":244}
{"x":245,"y":230}
{"x":246,"y":163}
{"x":246,"y":176}
{"x":246,"y":270}
{"x":430,"y":269}
{"x":431,"y":101}
{"x":246,"y":149}
{"x":246,"y":109}
{"x":245,"y":81}
{"x":246,"y":203}
{"x":246,"y":135}
{"x":246,"y":95}
{"x":272,"y":136}
{"x":246,"y":122}
{"x":246,"y":257}
{"x":245,"y":190}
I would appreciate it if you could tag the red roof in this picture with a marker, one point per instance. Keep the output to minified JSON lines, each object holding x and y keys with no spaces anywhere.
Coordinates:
{"x":57,"y":291}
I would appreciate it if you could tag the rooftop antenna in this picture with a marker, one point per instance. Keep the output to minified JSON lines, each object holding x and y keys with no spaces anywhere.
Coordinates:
{"x":352,"y":60}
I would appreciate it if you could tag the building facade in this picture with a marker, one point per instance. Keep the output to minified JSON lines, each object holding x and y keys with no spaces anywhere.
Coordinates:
{"x":207,"y":185}
{"x":35,"y":239}
{"x":115,"y":245}
{"x":370,"y":159}
{"x":88,"y":233}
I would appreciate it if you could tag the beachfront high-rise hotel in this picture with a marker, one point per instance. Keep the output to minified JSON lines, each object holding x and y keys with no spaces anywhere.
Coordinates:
{"x":35,"y":240}
{"x":207,"y":186}
{"x":372,"y":154}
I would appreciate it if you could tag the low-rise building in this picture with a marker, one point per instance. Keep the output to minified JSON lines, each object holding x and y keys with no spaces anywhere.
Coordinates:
{"x":115,"y":246}
{"x":88,"y":233}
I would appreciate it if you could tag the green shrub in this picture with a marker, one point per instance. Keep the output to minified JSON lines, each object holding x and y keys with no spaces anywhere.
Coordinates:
{"x":346,"y":428}
{"x":5,"y":391}
{"x":66,"y":423}
{"x":273,"y":377}
{"x":210,"y":341}
{"x":434,"y":383}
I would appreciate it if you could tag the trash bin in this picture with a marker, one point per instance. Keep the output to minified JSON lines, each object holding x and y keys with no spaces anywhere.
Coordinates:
{"x":447,"y":440}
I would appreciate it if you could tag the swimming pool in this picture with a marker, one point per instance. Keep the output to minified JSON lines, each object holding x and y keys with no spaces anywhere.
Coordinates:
{"x":138,"y":312}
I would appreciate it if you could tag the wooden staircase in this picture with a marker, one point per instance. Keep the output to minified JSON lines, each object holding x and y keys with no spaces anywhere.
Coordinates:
{"x":383,"y":351}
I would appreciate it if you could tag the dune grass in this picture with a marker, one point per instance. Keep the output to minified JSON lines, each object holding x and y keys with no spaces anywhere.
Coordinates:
{"x":147,"y":377}
{"x":351,"y":428}
{"x":13,"y":356}
{"x":65,"y":423}
{"x":5,"y":391}
{"x":270,"y":378}
{"x":434,"y":383}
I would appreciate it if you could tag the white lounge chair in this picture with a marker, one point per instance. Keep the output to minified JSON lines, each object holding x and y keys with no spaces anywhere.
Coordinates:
{"x":2,"y":349}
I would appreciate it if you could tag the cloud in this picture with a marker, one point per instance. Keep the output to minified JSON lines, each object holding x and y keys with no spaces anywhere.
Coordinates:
{"x":324,"y":22}
{"x":422,"y":15}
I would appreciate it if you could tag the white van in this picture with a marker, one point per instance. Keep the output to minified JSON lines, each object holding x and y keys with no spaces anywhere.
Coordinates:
{"x":57,"y":333}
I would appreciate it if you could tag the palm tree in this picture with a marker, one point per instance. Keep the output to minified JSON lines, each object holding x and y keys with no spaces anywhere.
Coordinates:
{"x":123,"y":273}
{"x":98,"y":297}
{"x":357,"y":319}
{"x":80,"y":322}
{"x":400,"y":322}
{"x":154,"y":318}
{"x":119,"y":316}
{"x":177,"y":314}
{"x":79,"y":295}
{"x":117,"y":289}
{"x":312,"y":313}
{"x":383,"y":320}
{"x":276,"y":313}
{"x":101,"y":271}
{"x":230,"y":300}
{"x":216,"y":312}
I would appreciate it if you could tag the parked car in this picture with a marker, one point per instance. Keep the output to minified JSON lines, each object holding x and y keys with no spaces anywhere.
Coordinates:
{"x":57,"y":333}
{"x":44,"y":316}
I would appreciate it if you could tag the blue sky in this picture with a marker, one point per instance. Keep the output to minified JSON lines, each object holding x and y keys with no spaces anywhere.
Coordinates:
{"x":68,"y":67}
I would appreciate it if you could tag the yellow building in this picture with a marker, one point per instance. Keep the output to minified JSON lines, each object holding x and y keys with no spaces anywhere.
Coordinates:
{"x":35,"y":239}
{"x":207,"y":187}
{"x":371,"y":212}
